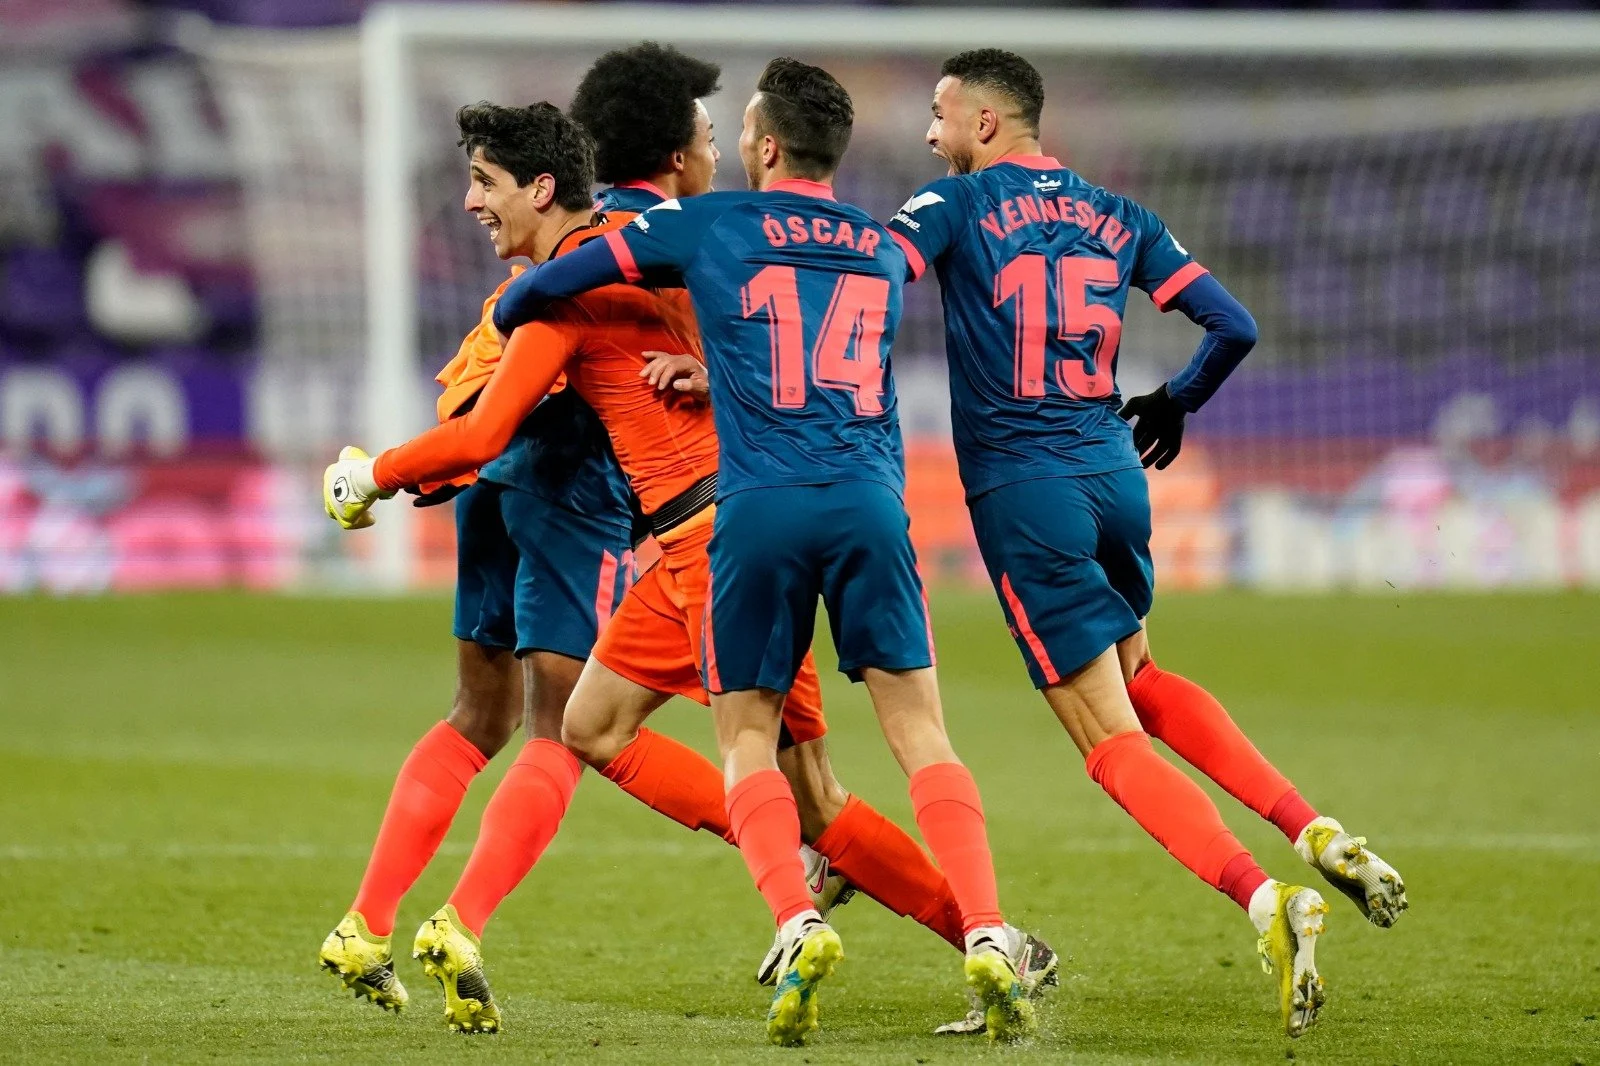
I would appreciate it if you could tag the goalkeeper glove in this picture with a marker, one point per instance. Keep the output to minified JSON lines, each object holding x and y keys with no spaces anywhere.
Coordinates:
{"x":1158,"y":433}
{"x":349,"y":490}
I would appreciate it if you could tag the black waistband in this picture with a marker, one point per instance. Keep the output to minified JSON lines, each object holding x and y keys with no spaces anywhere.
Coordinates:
{"x":684,"y":506}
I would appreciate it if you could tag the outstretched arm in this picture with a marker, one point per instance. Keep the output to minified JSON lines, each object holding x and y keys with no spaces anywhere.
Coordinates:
{"x":533,"y":360}
{"x":1230,"y":334}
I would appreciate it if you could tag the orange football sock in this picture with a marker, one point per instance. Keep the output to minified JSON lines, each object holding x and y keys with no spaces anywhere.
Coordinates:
{"x":674,"y":779}
{"x":882,"y":860}
{"x":518,"y":824}
{"x":950,"y":814}
{"x":1175,"y":811}
{"x":766,"y":824}
{"x":1190,"y":721}
{"x":427,"y":793}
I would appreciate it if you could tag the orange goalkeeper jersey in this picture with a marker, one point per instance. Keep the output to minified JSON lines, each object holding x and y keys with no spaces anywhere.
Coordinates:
{"x":664,"y":442}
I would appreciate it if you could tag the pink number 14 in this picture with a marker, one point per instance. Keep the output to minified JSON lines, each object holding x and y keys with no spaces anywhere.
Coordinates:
{"x":1026,"y":278}
{"x":846,"y":355}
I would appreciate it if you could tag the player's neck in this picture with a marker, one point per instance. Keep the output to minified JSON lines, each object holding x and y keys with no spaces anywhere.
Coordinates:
{"x":998,"y":149}
{"x":553,"y":227}
{"x":664,"y":185}
{"x":781,"y":174}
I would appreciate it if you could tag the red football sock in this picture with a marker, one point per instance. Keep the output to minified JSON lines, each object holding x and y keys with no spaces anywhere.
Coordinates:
{"x":1190,"y":721}
{"x":518,"y":824}
{"x":882,"y":860}
{"x":674,"y":779}
{"x":1174,"y":810}
{"x":950,"y":814}
{"x":766,"y":823}
{"x":427,"y":793}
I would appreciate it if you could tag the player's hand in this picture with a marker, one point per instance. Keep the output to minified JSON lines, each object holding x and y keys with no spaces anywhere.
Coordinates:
{"x":349,"y":489}
{"x":443,"y":494}
{"x":682,"y":373}
{"x":1158,"y":431}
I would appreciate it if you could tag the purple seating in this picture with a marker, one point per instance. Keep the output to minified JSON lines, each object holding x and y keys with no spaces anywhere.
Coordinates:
{"x":42,"y":293}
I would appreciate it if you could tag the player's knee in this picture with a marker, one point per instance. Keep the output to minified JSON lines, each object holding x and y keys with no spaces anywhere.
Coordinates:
{"x":591,"y":740}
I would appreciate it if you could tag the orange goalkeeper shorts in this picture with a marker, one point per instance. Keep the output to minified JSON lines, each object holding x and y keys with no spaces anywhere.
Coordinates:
{"x":654,"y":637}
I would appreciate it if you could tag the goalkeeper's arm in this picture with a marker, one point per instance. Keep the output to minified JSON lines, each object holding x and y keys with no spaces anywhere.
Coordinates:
{"x":533,"y":360}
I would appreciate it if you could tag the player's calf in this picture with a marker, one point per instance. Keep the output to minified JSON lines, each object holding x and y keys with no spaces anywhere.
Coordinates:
{"x":1351,"y":867}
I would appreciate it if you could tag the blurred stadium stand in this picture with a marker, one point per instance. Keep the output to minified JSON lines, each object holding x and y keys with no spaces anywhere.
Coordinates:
{"x":1425,"y":409}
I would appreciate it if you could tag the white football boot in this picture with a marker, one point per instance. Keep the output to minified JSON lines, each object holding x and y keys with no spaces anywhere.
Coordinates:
{"x":1351,"y":867}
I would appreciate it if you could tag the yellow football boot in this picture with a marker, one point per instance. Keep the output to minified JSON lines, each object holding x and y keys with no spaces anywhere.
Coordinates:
{"x":450,"y":954}
{"x":1288,"y":948}
{"x":813,"y":952}
{"x":363,"y":963}
{"x":1001,"y":994}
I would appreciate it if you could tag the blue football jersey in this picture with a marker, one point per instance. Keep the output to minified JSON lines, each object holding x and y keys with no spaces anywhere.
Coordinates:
{"x":798,"y":297}
{"x":1034,"y":266}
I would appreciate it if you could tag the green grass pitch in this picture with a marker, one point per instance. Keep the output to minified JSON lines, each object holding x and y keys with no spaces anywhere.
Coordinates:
{"x":189,"y":785}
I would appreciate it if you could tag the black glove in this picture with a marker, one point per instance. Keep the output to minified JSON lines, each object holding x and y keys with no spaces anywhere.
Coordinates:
{"x":443,"y":494}
{"x":1158,"y":433}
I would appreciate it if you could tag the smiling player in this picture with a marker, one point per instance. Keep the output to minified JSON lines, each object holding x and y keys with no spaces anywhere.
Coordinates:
{"x":1035,"y":264}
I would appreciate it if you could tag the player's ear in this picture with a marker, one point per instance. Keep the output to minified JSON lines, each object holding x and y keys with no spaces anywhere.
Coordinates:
{"x":543,"y":189}
{"x":679,"y":161}
{"x":769,"y":151}
{"x":988,"y":124}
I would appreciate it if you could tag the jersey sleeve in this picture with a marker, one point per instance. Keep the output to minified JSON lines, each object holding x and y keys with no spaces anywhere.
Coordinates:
{"x":534,"y":358}
{"x":1161,"y":266}
{"x":926,"y":226}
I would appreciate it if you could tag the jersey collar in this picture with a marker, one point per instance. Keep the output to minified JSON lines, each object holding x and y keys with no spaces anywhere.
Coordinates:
{"x":573,"y":238}
{"x":819,"y":189}
{"x":1032,"y":162}
{"x":642,"y":185}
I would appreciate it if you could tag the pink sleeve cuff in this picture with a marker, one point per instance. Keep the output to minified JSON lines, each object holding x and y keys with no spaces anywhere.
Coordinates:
{"x":1170,"y":288}
{"x":913,"y":257}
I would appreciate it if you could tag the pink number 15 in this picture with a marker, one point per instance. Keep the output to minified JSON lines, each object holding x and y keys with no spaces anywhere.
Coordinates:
{"x":1027,"y":278}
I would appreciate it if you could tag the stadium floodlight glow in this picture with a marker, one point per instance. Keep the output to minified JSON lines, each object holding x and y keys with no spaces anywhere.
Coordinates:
{"x":1266,"y":161}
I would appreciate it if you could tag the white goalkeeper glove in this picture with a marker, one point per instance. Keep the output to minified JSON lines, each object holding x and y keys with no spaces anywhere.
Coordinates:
{"x":349,"y":489}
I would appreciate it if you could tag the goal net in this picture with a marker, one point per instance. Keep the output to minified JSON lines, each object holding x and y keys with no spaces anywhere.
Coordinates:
{"x":1407,"y":205}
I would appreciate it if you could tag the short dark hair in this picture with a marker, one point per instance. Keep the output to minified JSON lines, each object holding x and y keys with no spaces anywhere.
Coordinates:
{"x":638,"y":106}
{"x":808,"y":112}
{"x":1002,"y":72}
{"x":529,"y":141}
